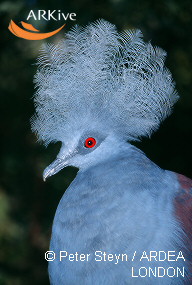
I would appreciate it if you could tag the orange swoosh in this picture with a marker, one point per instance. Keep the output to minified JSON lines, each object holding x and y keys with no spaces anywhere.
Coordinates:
{"x":29,"y":27}
{"x":17,"y":31}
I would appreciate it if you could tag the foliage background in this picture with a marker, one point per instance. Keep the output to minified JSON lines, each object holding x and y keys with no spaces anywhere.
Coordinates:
{"x":27,"y":205}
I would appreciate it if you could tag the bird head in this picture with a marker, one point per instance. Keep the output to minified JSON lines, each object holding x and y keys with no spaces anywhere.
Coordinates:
{"x":96,"y":89}
{"x":83,"y":151}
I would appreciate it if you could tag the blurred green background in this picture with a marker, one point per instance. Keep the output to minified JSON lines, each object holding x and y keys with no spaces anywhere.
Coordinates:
{"x":27,"y":204}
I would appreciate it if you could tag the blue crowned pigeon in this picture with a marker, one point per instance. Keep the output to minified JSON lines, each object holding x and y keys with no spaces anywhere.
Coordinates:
{"x":123,"y":220}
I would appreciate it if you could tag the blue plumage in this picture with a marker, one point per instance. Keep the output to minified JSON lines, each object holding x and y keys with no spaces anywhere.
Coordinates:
{"x":96,"y":90}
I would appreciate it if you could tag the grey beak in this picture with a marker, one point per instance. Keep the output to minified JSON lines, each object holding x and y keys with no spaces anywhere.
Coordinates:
{"x":54,"y":167}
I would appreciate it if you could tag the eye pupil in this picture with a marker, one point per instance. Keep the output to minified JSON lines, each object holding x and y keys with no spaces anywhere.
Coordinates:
{"x":90,"y":142}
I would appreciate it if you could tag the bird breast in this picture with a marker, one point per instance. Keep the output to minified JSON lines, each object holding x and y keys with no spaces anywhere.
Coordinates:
{"x":120,"y":207}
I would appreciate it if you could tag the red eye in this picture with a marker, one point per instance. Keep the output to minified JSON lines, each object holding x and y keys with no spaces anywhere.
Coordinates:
{"x":90,"y":142}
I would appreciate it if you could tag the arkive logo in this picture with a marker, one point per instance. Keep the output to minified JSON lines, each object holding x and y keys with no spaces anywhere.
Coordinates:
{"x":29,"y":32}
{"x":48,"y":15}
